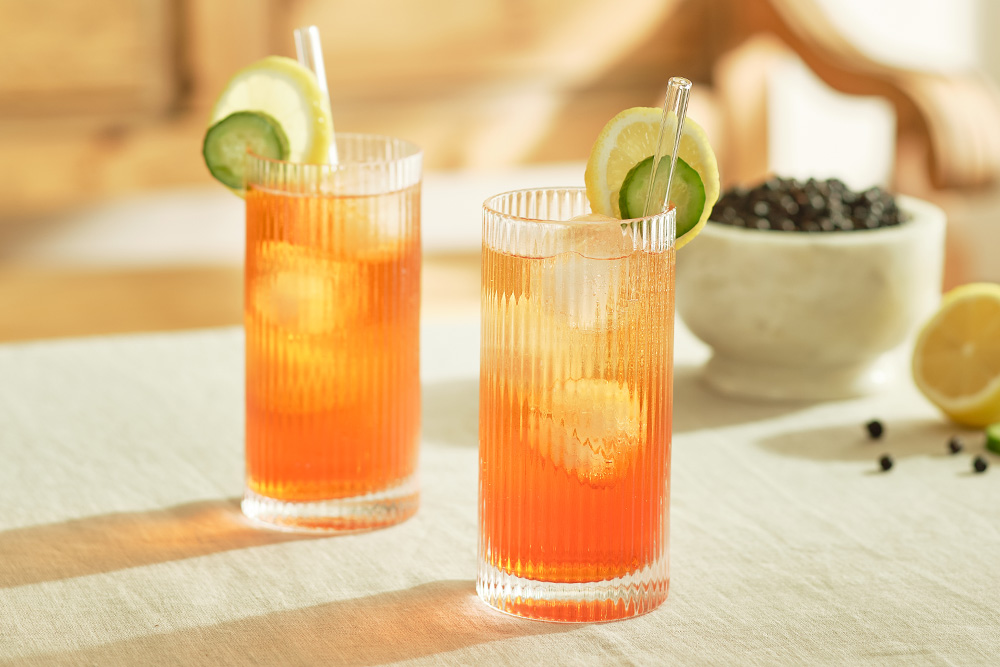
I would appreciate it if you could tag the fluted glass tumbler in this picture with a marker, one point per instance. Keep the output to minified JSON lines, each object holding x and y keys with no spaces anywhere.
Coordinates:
{"x":331,"y":304}
{"x":574,"y":408}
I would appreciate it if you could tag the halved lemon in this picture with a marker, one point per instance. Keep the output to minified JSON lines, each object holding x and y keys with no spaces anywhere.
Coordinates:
{"x":956,"y":361}
{"x":288,"y":93}
{"x":628,"y":139}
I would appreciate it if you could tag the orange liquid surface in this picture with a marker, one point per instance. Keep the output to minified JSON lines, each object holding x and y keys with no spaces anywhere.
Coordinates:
{"x":575,"y":415}
{"x":332,"y":300}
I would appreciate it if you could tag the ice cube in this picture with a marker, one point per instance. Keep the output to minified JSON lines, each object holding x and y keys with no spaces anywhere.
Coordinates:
{"x":371,"y":227}
{"x":309,"y":341}
{"x":600,"y":241}
{"x":583,"y":282}
{"x":296,"y":289}
{"x":579,"y":291}
{"x":590,"y":427}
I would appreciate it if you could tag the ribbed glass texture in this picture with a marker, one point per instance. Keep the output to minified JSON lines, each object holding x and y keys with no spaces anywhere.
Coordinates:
{"x":575,"y":409}
{"x":332,"y":305}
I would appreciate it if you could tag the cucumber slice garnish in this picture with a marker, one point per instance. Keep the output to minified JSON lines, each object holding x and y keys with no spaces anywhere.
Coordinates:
{"x":687,"y":191}
{"x":228,"y":141}
{"x":993,"y":438}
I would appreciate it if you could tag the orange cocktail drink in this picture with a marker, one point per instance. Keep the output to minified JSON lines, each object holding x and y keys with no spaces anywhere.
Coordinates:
{"x":575,"y":408}
{"x":332,"y":301}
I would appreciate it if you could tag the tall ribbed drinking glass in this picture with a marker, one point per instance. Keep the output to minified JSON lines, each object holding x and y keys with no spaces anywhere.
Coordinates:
{"x":332,"y":305}
{"x":574,"y":408}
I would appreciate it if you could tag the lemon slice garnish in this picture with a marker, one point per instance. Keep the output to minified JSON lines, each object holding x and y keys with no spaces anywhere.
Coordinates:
{"x":289,"y":93}
{"x":629,"y":138}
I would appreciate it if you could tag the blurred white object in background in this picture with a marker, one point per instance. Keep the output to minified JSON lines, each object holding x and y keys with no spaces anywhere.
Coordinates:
{"x":204,"y":225}
{"x":928,"y":35}
{"x":816,"y":132}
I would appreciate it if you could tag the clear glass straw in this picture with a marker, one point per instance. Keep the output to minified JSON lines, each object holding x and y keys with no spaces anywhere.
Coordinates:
{"x":309,"y":51}
{"x":674,"y":105}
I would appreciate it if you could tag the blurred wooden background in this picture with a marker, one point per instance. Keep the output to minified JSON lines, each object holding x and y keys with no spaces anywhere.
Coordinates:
{"x":106,"y":98}
{"x":111,"y":96}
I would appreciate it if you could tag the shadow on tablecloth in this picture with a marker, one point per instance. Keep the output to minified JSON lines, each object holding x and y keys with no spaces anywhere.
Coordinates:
{"x":904,"y":438}
{"x":697,"y":406}
{"x":111,"y":542}
{"x":451,"y":408}
{"x":428,"y":619}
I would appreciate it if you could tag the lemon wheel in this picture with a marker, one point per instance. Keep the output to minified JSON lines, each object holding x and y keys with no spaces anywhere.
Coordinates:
{"x":628,"y":139}
{"x":287,"y":92}
{"x":956,"y":360}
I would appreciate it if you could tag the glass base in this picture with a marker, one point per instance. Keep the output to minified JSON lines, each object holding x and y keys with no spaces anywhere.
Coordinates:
{"x":587,"y":602}
{"x":337,"y":515}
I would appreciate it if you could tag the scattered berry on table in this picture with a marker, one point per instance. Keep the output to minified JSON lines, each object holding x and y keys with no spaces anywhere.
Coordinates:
{"x":979,"y":464}
{"x":875,"y":429}
{"x":885,"y":462}
{"x":955,"y":445}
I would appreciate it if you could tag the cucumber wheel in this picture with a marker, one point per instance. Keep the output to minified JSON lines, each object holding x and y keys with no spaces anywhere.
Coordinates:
{"x":687,"y":191}
{"x":228,"y":142}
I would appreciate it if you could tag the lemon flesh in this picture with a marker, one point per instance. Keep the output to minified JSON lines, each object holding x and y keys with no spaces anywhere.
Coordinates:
{"x":629,"y":138}
{"x":289,"y":93}
{"x":956,"y":360}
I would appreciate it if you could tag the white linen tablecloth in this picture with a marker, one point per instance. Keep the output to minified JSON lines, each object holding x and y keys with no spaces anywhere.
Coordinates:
{"x":121,"y":541}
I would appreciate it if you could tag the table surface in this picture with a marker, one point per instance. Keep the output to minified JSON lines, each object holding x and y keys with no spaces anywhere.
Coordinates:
{"x":121,"y":540}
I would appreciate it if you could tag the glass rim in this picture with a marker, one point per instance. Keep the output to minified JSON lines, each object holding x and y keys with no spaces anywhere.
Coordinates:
{"x":564,"y":223}
{"x":410,"y":151}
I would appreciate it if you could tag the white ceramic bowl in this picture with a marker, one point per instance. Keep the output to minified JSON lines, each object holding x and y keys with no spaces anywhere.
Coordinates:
{"x":810,"y":316}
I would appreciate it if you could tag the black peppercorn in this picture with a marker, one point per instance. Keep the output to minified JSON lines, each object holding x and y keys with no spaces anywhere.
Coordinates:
{"x":812,"y":206}
{"x":875,"y":429}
